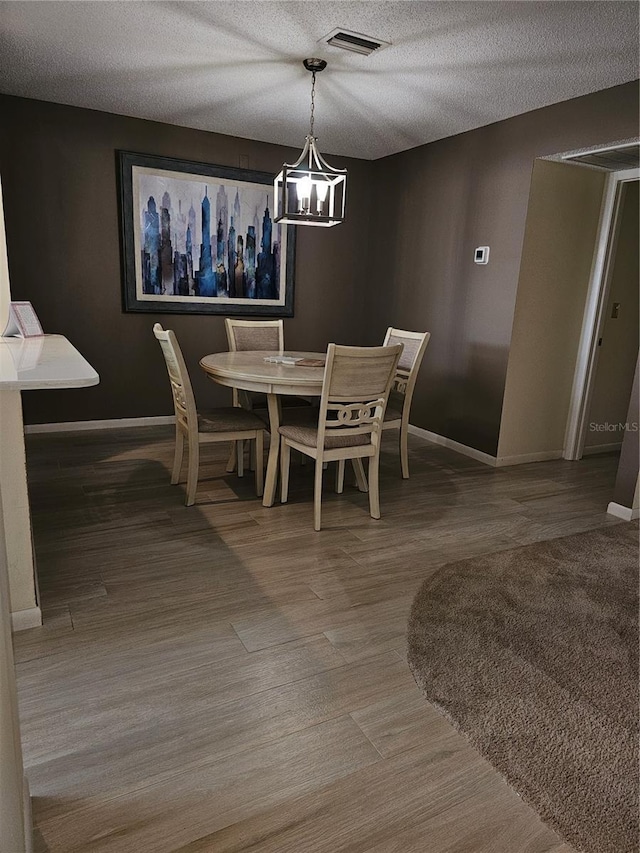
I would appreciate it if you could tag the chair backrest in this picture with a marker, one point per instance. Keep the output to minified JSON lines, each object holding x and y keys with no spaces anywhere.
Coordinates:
{"x":355,"y":389}
{"x":246,"y":335}
{"x":414,"y":345}
{"x":183,"y":400}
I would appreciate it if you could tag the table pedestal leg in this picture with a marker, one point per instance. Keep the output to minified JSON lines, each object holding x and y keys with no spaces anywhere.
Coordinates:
{"x":271,"y":479}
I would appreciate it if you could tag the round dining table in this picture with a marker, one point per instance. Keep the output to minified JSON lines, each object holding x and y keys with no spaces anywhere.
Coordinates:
{"x":251,"y":371}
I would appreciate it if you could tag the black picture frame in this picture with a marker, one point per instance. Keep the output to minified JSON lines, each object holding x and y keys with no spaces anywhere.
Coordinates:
{"x":160,"y":278}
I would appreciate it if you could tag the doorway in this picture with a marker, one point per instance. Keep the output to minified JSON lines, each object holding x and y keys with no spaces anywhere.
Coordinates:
{"x":617,"y":348}
{"x":608,"y":349}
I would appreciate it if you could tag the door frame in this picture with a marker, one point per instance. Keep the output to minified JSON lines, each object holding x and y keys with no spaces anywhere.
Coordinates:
{"x":594,"y":312}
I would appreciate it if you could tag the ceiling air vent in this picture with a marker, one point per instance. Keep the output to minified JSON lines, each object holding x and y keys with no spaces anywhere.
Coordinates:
{"x":356,"y":42}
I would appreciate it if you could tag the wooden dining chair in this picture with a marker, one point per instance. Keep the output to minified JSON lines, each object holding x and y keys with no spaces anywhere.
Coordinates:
{"x":355,"y":390}
{"x":397,"y":413}
{"x":250,"y":335}
{"x":224,"y":424}
{"x":245,"y":335}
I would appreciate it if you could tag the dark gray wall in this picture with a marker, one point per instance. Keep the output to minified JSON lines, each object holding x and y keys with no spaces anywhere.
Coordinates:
{"x":403,"y":258}
{"x":58,"y":169}
{"x":435,"y":204}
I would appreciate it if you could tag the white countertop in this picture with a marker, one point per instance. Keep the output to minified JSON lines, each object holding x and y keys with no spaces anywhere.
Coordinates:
{"x":50,"y":361}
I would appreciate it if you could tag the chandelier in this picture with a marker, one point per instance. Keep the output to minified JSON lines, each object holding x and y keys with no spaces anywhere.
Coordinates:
{"x":310,"y":191}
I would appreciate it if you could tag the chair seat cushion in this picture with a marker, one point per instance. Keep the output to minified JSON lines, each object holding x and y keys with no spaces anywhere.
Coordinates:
{"x":230,"y":419}
{"x":307,"y":434}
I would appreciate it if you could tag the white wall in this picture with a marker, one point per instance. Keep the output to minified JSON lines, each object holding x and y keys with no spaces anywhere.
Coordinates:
{"x":5,"y":292}
{"x":15,"y":815}
{"x":16,"y":525}
{"x":559,"y":241}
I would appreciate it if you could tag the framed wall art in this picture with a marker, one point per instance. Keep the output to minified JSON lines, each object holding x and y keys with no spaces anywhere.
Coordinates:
{"x":200,"y":239}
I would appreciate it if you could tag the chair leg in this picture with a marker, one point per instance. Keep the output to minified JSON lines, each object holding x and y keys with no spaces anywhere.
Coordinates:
{"x":358,"y":470}
{"x":240,"y":455}
{"x":340,"y":476}
{"x":231,"y":464}
{"x":177,"y":457}
{"x":285,"y":462}
{"x":374,"y":493}
{"x":404,"y":451}
{"x":317,"y":494}
{"x":259,"y":466}
{"x":192,"y":471}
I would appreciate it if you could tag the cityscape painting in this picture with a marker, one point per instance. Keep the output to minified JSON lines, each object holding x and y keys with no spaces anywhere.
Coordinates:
{"x":199,"y":238}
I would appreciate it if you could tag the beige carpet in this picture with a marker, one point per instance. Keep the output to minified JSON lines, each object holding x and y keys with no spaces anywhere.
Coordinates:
{"x":533,"y":655}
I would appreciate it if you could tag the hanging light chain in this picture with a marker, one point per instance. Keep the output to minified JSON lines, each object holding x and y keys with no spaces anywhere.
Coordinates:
{"x":313,"y":101}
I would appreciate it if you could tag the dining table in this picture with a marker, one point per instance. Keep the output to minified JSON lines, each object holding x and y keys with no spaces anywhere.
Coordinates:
{"x":300,"y":374}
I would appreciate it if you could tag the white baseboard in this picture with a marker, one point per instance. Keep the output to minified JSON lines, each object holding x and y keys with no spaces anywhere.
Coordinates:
{"x":494,"y":461}
{"x":523,"y":458}
{"x":626,"y":513}
{"x":601,"y":448}
{"x":453,"y":445}
{"x":21,"y":620}
{"x":115,"y":423}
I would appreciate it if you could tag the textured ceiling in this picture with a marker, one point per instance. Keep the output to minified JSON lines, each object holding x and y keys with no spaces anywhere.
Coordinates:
{"x":235,"y":67}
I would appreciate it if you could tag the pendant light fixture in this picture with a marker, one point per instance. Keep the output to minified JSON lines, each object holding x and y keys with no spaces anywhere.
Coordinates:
{"x":310,"y":191}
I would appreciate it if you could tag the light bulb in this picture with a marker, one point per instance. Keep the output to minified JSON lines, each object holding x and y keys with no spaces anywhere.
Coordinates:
{"x":304,"y":193}
{"x":322,"y":188}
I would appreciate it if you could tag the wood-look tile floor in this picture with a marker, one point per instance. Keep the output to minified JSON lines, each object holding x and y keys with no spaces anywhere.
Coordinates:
{"x":221,"y":678}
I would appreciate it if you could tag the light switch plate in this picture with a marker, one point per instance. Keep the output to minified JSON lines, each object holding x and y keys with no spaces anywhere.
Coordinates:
{"x":481,"y":255}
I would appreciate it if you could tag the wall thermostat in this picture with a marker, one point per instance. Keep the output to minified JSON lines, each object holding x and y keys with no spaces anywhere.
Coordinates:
{"x":481,"y":255}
